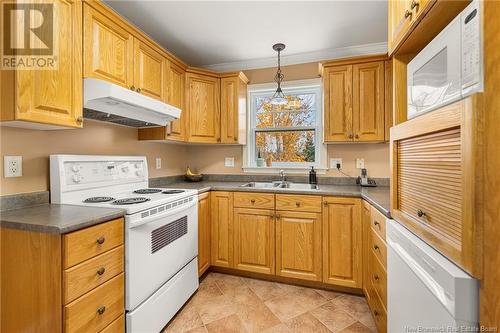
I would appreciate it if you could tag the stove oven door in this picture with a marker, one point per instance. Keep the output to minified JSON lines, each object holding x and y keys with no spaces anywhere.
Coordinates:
{"x":157,"y":247}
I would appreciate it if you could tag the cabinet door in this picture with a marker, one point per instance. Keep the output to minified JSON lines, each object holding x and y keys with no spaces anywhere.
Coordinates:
{"x":298,"y":245}
{"x":108,"y":49}
{"x":254,"y":240}
{"x":176,"y":83}
{"x":149,"y":71}
{"x":202,"y":97}
{"x":222,"y":228}
{"x":368,"y":101}
{"x":338,"y":103}
{"x":366,"y":231}
{"x":233,"y":110}
{"x":55,"y":96}
{"x":400,"y":19}
{"x":203,"y":232}
{"x":342,"y":241}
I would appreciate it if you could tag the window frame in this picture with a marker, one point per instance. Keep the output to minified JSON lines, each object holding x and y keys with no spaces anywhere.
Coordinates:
{"x":289,"y":87}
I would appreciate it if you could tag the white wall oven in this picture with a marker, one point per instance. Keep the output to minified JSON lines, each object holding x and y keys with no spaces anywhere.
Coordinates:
{"x":450,"y":67}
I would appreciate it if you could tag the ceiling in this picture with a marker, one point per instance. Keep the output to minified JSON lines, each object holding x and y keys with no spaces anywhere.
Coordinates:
{"x":234,"y":35}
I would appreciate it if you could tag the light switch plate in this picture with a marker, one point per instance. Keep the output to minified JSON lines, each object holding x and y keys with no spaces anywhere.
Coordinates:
{"x":13,"y":166}
{"x":360,"y":163}
{"x":158,"y":163}
{"x":334,"y":162}
{"x":229,"y":162}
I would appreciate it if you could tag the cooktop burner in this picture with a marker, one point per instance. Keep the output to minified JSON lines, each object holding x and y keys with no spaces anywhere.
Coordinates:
{"x":147,"y":191}
{"x":172,"y":191}
{"x":130,"y":201}
{"x":98,"y":199}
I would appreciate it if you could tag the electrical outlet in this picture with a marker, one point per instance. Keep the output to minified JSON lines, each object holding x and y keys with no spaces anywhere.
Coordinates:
{"x":158,"y":163}
{"x":229,"y":162}
{"x":335,"y":163}
{"x":13,"y":166}
{"x":360,"y":163}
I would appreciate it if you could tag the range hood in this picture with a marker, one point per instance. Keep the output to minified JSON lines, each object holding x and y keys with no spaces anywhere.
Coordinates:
{"x":109,"y":102}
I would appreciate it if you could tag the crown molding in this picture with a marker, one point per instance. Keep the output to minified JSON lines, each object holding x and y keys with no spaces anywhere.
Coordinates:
{"x":301,"y":58}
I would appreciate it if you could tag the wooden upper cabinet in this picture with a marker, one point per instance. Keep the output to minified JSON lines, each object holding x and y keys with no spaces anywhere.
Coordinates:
{"x":338,"y":103}
{"x":204,"y":232}
{"x":176,"y":88}
{"x":203,"y":108}
{"x":52,"y":98}
{"x":108,"y":49}
{"x":149,"y":71}
{"x":400,"y":17}
{"x":233,"y":108}
{"x":298,"y":245}
{"x":342,"y":241}
{"x":254,"y":240}
{"x":368,"y":101}
{"x":222,"y":228}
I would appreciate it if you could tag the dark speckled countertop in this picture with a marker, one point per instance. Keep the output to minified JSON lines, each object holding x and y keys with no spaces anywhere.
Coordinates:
{"x":379,"y":197}
{"x":57,"y":219}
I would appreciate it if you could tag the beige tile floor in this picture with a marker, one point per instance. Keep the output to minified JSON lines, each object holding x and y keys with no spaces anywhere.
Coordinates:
{"x":227,"y":303}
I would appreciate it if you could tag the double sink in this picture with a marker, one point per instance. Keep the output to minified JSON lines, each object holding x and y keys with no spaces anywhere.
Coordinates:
{"x":281,"y":185}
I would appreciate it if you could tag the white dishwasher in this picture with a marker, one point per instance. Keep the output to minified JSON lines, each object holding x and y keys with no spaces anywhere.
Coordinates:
{"x":426,"y":292}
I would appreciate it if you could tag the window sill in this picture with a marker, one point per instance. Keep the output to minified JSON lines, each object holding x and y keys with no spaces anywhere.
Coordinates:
{"x":288,"y":170}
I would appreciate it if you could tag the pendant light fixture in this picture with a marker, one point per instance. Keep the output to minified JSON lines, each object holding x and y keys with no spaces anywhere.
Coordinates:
{"x":279,"y":97}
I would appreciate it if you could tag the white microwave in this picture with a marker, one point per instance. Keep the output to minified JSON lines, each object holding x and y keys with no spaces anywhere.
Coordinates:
{"x":450,"y":67}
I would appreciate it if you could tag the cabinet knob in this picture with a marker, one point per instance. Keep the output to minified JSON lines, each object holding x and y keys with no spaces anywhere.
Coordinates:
{"x":101,"y":310}
{"x":79,"y":120}
{"x":376,"y":223}
{"x":325,"y":203}
{"x":420,"y":213}
{"x":132,"y":88}
{"x":350,"y":136}
{"x":218,"y":139}
{"x":101,"y":271}
{"x":252,"y":201}
{"x":375,"y":247}
{"x":414,"y":4}
{"x":101,"y":240}
{"x":356,"y":136}
{"x":375,"y":277}
{"x":375,"y":312}
{"x":138,"y":90}
{"x":407,"y":14}
{"x":297,"y":204}
{"x":278,"y":216}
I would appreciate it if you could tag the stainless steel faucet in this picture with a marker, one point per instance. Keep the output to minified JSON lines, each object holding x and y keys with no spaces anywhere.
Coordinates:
{"x":282,"y":175}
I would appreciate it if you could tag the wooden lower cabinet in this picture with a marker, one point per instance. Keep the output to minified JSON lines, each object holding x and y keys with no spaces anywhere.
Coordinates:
{"x":49,"y":285}
{"x":222,"y":228}
{"x":204,"y":232}
{"x":298,"y":245}
{"x":342,"y":241}
{"x":254,"y":240}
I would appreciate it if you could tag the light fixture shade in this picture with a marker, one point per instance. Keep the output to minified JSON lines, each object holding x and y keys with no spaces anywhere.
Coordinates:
{"x":278,"y":98}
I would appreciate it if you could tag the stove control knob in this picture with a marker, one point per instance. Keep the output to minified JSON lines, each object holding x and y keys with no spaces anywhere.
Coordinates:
{"x":77,"y":178}
{"x":139,"y":173}
{"x":76,"y":168}
{"x":138,"y":165}
{"x":125,"y":169}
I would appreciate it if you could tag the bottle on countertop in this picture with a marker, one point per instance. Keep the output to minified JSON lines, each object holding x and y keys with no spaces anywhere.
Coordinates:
{"x":312,"y":176}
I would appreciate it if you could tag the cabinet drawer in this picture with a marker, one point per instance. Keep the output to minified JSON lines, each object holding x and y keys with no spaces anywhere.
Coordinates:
{"x":97,"y":309}
{"x":379,"y":313}
{"x":89,"y":274}
{"x":118,"y":326}
{"x":378,"y":279}
{"x":379,"y":248}
{"x":90,"y":242}
{"x":254,"y":200}
{"x":302,"y":203}
{"x":378,"y":222}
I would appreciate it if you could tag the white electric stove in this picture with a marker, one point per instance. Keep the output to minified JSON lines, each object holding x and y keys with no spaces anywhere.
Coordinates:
{"x":161,"y":230}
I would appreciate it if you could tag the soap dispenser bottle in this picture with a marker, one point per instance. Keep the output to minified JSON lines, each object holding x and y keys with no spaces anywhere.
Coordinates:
{"x":312,"y":176}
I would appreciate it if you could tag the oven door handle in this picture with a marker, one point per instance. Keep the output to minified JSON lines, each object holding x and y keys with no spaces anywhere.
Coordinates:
{"x":157,"y":216}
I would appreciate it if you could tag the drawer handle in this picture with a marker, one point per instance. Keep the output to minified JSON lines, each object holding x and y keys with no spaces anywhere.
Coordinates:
{"x":101,"y":310}
{"x":101,"y":240}
{"x":407,"y":14}
{"x":101,"y":271}
{"x":252,"y":201}
{"x":297,"y":204}
{"x":414,"y":4}
{"x":375,"y":247}
{"x":375,"y":277}
{"x":420,"y":213}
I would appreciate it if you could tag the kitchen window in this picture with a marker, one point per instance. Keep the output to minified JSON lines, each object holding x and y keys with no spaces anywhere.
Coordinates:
{"x":289,"y":136}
